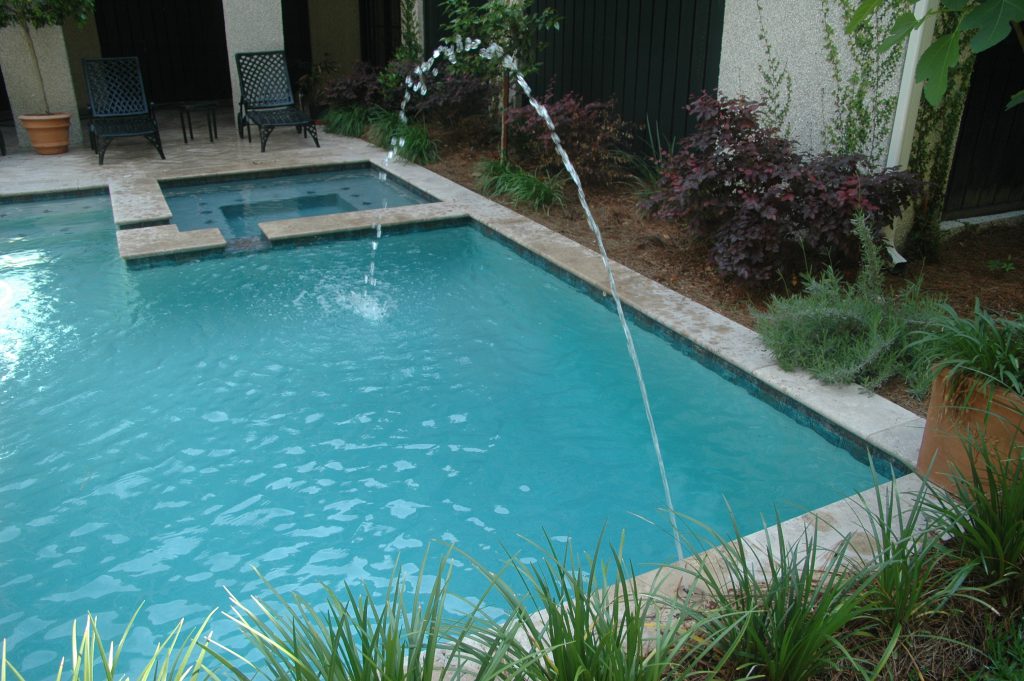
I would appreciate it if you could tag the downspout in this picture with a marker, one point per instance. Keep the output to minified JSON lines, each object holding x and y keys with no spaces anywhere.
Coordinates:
{"x":908,"y":103}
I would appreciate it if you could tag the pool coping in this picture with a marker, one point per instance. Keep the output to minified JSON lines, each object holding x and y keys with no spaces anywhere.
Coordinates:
{"x":142,"y":216}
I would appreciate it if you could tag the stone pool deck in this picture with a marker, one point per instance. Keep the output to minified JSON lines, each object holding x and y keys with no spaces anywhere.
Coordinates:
{"x":132,"y":171}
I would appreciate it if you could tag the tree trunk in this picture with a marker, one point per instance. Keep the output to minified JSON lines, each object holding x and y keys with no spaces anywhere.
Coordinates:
{"x":35,"y":61}
{"x":503,"y":150}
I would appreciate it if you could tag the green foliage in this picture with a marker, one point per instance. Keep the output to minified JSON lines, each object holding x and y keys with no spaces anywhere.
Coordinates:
{"x":349,"y":120}
{"x":979,"y":347}
{"x":1001,"y":266}
{"x":174,"y":659}
{"x":788,"y":613}
{"x":909,"y":585}
{"x":411,"y":49}
{"x":986,"y":520}
{"x":982,"y":24}
{"x":776,"y":82}
{"x":587,"y":621}
{"x":411,"y":141}
{"x":39,"y":13}
{"x":498,"y":178}
{"x":844,"y":333}
{"x":512,"y":26}
{"x":862,"y":122}
{"x":1005,"y":649}
{"x":351,"y":637}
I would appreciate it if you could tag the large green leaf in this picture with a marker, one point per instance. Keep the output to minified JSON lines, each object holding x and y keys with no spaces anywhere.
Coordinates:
{"x":866,"y":9}
{"x":933,"y":67}
{"x":1016,"y":100}
{"x":992,"y":21}
{"x":902,"y":27}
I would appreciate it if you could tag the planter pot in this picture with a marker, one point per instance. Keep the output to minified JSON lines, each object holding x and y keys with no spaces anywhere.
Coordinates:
{"x":47,"y":132}
{"x":969,"y":414}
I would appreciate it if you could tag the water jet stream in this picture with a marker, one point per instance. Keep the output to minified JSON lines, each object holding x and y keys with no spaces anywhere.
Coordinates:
{"x":508,"y":62}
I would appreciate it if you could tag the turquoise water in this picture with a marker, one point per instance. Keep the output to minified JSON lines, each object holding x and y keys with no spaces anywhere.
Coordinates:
{"x":237,"y":206}
{"x":167,"y":430}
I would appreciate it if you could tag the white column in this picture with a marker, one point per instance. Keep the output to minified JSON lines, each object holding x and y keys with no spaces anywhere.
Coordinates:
{"x":22,"y":83}
{"x":251,"y":26}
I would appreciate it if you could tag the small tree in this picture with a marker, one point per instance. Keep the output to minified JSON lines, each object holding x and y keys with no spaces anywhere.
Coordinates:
{"x":510,"y":25}
{"x":40,"y":13}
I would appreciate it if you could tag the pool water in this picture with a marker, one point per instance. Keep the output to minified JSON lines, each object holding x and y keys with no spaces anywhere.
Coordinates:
{"x":167,"y":430}
{"x":237,"y":206}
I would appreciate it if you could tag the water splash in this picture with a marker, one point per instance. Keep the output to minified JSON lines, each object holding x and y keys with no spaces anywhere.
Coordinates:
{"x":416,"y":84}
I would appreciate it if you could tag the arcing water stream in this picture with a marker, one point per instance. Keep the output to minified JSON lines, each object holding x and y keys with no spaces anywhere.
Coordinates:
{"x":495,"y":52}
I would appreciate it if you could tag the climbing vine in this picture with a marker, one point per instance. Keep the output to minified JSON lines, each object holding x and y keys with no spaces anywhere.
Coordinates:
{"x":776,"y":83}
{"x":931,"y":156}
{"x":863,"y":96}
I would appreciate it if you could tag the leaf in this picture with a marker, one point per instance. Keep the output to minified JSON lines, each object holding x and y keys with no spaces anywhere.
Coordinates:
{"x":902,"y":27}
{"x":954,"y":5}
{"x":992,"y":20}
{"x":1016,"y":100}
{"x":933,"y":67}
{"x":866,"y":9}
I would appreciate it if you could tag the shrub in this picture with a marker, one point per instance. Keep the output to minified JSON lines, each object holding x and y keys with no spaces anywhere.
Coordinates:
{"x":521,"y":187}
{"x":764,"y":207}
{"x":593,"y":135}
{"x":411,"y":140}
{"x":453,"y":97}
{"x":350,"y":120}
{"x":360,"y":87}
{"x":849,"y":333}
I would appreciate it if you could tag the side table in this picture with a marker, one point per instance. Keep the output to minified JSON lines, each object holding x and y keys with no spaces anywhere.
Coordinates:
{"x":208,"y":107}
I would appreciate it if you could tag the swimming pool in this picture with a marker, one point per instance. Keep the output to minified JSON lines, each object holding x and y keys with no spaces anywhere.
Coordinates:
{"x":168,"y":429}
{"x":237,"y":205}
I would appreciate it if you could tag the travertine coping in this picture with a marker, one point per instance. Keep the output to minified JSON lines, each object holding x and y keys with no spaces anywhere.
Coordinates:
{"x":337,"y":223}
{"x":160,"y":240}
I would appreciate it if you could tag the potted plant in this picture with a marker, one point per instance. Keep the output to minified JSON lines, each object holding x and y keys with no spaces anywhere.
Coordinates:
{"x":47,"y":131}
{"x":977,"y":392}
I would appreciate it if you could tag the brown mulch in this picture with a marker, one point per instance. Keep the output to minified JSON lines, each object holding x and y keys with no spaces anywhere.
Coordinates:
{"x":983,"y":263}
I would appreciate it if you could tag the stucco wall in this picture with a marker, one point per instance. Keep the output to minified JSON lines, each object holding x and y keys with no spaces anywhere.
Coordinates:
{"x":22,"y":82}
{"x":796,"y":32}
{"x":251,"y":26}
{"x":334,"y":32}
{"x":83,"y":42}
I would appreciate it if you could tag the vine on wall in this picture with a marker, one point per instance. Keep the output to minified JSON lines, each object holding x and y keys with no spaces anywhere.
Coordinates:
{"x":863,"y":98}
{"x":931,"y":155}
{"x":776,"y":83}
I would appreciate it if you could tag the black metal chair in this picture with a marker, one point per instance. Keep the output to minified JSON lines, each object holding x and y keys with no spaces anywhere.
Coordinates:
{"x":267,"y":100}
{"x":117,"y":103}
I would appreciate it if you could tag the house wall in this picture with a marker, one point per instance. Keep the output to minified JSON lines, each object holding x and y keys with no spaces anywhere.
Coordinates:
{"x":334,"y":32}
{"x":251,"y":26}
{"x":796,"y":32}
{"x":83,"y":42}
{"x":21,"y":80}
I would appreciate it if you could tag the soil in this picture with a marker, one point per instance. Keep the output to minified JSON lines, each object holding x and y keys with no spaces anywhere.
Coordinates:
{"x":984,"y":263}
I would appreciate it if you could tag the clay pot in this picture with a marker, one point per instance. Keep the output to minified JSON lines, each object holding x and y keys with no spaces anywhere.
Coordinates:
{"x":972,"y":412}
{"x":47,"y":132}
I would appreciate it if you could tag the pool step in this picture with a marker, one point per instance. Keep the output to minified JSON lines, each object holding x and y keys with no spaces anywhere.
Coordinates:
{"x":165,"y":240}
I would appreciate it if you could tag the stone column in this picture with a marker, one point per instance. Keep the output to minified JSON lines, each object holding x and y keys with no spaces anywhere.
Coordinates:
{"x":22,"y":84}
{"x":251,"y":26}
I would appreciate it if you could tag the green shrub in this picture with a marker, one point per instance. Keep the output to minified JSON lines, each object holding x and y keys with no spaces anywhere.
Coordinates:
{"x":350,"y":120}
{"x":521,"y":187}
{"x":982,"y":346}
{"x":848,"y":333}
{"x":411,"y":141}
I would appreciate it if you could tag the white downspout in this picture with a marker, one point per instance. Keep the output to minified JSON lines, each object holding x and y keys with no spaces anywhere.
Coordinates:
{"x":909,"y":102}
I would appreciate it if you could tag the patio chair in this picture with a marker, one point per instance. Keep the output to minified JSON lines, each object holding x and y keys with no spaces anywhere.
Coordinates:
{"x":267,"y":100}
{"x":117,"y":104}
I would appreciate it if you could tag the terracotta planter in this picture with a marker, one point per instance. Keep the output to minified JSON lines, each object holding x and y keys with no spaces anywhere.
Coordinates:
{"x":971,"y":412}
{"x":47,"y":132}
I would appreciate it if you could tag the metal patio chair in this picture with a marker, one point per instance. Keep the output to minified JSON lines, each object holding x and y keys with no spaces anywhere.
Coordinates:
{"x":117,"y":103}
{"x":267,"y":100}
